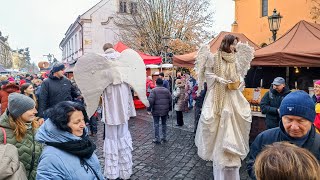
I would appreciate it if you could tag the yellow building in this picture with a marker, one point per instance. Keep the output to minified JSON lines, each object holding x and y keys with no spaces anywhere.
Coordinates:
{"x":251,"y":17}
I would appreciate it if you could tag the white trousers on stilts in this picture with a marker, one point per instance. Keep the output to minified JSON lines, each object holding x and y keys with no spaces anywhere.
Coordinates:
{"x":226,"y":173}
{"x":117,"y":152}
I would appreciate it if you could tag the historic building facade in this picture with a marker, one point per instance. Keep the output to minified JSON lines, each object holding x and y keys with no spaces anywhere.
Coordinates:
{"x":5,"y":52}
{"x":91,"y":30}
{"x":251,"y":17}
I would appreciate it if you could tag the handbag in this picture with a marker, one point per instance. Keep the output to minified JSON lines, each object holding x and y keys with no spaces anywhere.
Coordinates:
{"x":234,"y":85}
{"x":10,"y":166}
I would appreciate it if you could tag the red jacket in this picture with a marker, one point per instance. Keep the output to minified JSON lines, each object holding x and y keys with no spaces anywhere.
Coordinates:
{"x":4,"y":94}
{"x":149,"y":84}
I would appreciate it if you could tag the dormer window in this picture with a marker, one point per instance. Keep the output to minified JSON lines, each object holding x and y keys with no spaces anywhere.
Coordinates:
{"x":133,"y":7}
{"x":123,"y":7}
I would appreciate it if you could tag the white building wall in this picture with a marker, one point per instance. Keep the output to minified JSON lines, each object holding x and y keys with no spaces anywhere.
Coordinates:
{"x":97,"y":29}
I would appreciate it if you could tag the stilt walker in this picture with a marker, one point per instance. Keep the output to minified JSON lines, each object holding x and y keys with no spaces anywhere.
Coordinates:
{"x":223,"y":130}
{"x":112,"y":74}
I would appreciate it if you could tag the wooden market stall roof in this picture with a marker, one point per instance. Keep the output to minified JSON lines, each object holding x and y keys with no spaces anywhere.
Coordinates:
{"x":187,"y":60}
{"x":300,"y":47}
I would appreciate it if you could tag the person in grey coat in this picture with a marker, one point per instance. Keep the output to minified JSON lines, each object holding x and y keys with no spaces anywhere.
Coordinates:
{"x":160,"y":103}
{"x":180,"y":103}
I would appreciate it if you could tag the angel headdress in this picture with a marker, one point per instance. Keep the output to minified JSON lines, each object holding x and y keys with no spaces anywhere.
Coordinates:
{"x":93,"y":73}
{"x":243,"y":56}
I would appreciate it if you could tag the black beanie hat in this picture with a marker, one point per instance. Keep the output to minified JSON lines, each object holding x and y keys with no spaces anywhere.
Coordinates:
{"x":57,"y":67}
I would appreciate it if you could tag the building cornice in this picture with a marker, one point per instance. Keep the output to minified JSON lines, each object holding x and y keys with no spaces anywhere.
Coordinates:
{"x":107,"y":21}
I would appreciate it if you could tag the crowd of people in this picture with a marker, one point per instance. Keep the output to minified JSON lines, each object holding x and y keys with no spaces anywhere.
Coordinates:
{"x":44,"y":124}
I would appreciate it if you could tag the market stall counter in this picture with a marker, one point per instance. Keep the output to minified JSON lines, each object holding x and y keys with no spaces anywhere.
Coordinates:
{"x":254,"y":95}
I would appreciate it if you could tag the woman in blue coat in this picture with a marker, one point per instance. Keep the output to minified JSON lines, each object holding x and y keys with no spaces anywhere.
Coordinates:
{"x":69,"y":153}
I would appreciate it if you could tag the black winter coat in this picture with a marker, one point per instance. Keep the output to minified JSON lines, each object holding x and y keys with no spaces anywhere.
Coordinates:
{"x":54,"y":90}
{"x":160,"y":101}
{"x":277,"y":135}
{"x":200,"y":98}
{"x":270,"y":104}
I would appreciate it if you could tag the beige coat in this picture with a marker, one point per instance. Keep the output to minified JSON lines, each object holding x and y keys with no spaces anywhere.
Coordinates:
{"x":10,"y":166}
{"x":179,"y":93}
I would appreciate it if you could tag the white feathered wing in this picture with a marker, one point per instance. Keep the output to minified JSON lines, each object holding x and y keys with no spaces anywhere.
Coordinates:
{"x":244,"y":56}
{"x":93,"y":73}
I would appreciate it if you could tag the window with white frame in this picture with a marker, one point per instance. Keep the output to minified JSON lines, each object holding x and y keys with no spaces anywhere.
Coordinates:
{"x":123,"y":6}
{"x":72,"y":46}
{"x":264,"y":8}
{"x":76,"y":42}
{"x":133,"y":7}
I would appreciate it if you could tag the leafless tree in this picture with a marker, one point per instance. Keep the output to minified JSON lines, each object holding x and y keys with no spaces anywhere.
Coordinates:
{"x":186,"y":22}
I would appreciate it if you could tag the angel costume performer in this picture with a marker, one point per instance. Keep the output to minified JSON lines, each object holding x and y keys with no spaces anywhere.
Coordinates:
{"x":114,"y":73}
{"x":223,"y":131}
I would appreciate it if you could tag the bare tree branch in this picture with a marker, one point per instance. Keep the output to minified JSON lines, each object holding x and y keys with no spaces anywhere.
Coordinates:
{"x":186,"y":22}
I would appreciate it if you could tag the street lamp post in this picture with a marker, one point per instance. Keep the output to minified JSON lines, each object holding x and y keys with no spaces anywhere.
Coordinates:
{"x":166,"y":40}
{"x":274,"y":23}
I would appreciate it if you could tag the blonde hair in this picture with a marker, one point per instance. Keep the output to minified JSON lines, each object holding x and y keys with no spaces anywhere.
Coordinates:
{"x":19,"y":127}
{"x":3,"y":78}
{"x":285,"y":161}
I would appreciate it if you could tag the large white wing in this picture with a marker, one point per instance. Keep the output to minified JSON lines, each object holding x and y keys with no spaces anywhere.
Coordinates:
{"x":244,"y":56}
{"x":200,"y":63}
{"x":133,"y":72}
{"x":93,"y":73}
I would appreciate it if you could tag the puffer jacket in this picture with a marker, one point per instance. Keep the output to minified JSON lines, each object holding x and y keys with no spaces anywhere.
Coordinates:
{"x":179,"y":93}
{"x":56,"y":164}
{"x":270,"y":104}
{"x":160,"y":101}
{"x":4,"y":94}
{"x":55,"y":90}
{"x":26,"y":147}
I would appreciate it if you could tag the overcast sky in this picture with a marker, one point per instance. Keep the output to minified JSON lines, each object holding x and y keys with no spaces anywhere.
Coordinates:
{"x":41,"y":24}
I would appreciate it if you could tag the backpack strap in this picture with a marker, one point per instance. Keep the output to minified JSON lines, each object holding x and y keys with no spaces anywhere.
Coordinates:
{"x":4,"y":135}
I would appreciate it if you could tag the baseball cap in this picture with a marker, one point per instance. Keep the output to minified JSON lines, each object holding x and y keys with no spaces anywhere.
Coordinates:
{"x":278,"y":80}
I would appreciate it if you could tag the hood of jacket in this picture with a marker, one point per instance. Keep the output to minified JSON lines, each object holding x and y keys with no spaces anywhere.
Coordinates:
{"x":10,"y":88}
{"x":285,"y":91}
{"x":48,"y":132}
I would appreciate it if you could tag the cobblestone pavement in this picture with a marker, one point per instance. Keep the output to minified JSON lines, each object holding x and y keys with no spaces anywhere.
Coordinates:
{"x":175,"y":159}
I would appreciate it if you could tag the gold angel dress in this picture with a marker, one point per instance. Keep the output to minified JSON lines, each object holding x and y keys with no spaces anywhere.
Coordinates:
{"x":223,"y":131}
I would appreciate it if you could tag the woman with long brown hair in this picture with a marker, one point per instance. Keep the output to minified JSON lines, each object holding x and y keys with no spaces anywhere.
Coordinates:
{"x":20,"y":127}
{"x":28,"y":90}
{"x":223,"y":130}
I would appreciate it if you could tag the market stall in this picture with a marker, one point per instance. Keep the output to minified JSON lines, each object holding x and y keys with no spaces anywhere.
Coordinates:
{"x":294,"y":56}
